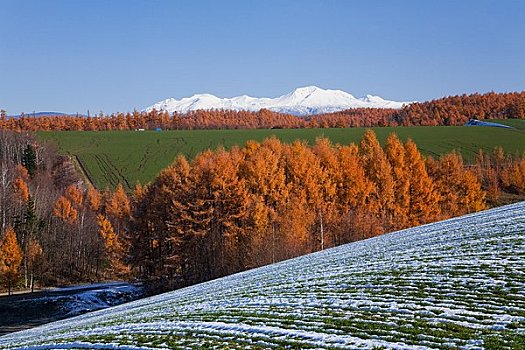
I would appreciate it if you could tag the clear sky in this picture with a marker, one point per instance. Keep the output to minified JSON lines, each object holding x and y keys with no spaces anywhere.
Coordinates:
{"x":121,"y":55}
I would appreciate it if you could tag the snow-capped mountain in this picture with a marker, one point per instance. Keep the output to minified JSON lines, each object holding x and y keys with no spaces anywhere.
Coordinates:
{"x":302,"y":101}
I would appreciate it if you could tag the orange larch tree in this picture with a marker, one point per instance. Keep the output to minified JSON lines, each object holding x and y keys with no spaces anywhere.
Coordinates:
{"x":356,"y":198}
{"x":35,"y":260}
{"x":488,"y":171}
{"x":118,"y":207}
{"x":395,"y":152}
{"x":423,"y":197}
{"x":459,"y":190}
{"x":94,"y":198}
{"x":306,"y":180}
{"x":230,"y":201}
{"x":75,"y":195}
{"x":65,"y":211}
{"x":21,"y":189}
{"x":515,"y":176}
{"x":10,"y":258}
{"x":329,"y":177}
{"x":263,"y":172}
{"x":112,"y":246}
{"x":379,"y":171}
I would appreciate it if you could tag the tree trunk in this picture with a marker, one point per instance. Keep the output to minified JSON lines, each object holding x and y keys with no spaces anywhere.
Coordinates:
{"x":273,"y":242}
{"x":322,"y":229}
{"x":96,"y":269}
{"x":26,"y":279}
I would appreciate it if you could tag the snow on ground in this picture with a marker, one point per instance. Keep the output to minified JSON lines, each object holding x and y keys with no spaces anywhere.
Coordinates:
{"x":96,"y":296}
{"x":459,"y":283}
{"x":31,"y":309}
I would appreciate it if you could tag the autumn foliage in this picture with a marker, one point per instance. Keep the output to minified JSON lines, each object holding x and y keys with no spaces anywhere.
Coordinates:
{"x":229,"y":210}
{"x":10,"y":257}
{"x":65,"y":211}
{"x":500,"y":174}
{"x":453,"y":110}
{"x":21,"y":189}
{"x":113,"y":249}
{"x":54,"y":217}
{"x":226,"y":211}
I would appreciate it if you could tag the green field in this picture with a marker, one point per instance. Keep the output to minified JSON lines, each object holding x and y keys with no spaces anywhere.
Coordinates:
{"x":110,"y":157}
{"x":515,"y":123}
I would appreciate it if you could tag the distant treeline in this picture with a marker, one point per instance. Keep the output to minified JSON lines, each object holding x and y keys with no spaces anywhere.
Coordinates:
{"x":455,"y":110}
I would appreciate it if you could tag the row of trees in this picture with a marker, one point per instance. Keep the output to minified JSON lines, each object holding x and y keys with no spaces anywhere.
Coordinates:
{"x":501,"y":175}
{"x":52,"y":228}
{"x":226,"y":211}
{"x":455,"y":110}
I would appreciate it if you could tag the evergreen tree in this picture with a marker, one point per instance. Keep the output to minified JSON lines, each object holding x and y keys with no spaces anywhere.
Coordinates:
{"x":29,"y":160}
{"x":30,"y":227}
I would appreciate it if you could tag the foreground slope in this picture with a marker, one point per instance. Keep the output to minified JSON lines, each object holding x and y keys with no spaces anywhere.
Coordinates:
{"x":27,"y":310}
{"x":459,"y":283}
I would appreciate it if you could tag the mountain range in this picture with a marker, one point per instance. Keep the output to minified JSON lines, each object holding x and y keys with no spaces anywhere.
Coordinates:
{"x":41,"y":114}
{"x":302,"y":101}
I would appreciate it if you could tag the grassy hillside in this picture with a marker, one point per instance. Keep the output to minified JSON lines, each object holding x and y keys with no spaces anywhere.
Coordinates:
{"x":515,"y":123}
{"x":454,"y":284}
{"x":110,"y":157}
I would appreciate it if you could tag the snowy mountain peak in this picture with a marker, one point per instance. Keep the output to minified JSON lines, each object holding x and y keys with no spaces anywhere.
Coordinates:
{"x":302,"y":101}
{"x":372,"y":98}
{"x":307,"y":90}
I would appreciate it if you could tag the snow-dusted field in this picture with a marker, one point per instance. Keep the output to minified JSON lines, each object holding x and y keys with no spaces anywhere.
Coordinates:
{"x":27,"y":310}
{"x":454,"y":284}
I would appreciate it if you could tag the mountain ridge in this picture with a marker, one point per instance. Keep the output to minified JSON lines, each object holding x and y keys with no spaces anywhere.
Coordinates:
{"x":308,"y":100}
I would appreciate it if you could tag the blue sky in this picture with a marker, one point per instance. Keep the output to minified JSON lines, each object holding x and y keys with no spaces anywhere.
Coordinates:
{"x":116,"y":55}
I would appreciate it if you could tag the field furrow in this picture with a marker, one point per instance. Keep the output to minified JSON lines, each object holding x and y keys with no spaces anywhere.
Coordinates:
{"x":459,"y":283}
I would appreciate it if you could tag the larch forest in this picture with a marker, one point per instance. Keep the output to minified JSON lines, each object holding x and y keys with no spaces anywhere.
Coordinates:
{"x":230,"y":210}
